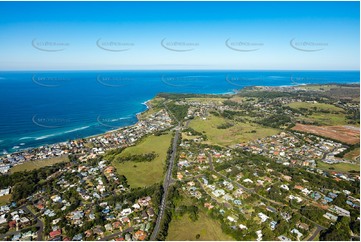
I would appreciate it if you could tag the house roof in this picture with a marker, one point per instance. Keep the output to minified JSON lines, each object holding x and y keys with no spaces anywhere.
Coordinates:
{"x":140,"y":235}
{"x":55,"y":233}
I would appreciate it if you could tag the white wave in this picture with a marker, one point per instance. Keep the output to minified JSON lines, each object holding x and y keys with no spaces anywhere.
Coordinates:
{"x":26,"y":138}
{"x":145,"y":103}
{"x":77,"y":129}
{"x":45,"y":136}
{"x":55,"y":134}
{"x":117,"y":119}
{"x":276,"y":77}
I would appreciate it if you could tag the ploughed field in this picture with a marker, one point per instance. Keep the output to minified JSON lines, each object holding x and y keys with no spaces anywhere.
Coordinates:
{"x":346,"y":134}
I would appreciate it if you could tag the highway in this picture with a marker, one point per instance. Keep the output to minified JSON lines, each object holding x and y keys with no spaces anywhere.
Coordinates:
{"x":167,"y":181}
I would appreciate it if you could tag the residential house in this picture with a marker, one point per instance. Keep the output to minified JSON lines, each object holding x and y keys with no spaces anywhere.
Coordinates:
{"x":263,"y":217}
{"x":297,"y":232}
{"x":55,"y":233}
{"x":140,"y":235}
{"x":330,"y":216}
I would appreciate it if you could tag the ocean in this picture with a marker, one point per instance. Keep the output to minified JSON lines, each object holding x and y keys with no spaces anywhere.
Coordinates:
{"x":38,"y":108}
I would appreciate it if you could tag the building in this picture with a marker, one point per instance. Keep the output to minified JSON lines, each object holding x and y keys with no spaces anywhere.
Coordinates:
{"x":55,"y":233}
{"x":283,"y":238}
{"x":330,"y":216}
{"x":140,"y":235}
{"x":297,"y":232}
{"x":340,"y":211}
{"x":263,"y":217}
{"x":4,"y":192}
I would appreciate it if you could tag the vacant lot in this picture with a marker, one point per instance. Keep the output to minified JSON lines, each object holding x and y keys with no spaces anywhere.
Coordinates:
{"x":315,"y":106}
{"x":346,"y":134}
{"x":341,"y":167}
{"x":184,"y":228}
{"x":240,"y":132}
{"x":32,"y":165}
{"x":141,"y":174}
{"x":5,"y":199}
{"x":353,"y":154}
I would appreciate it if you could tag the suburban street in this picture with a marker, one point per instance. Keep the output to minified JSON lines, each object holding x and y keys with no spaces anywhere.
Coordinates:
{"x":318,"y":227}
{"x":39,"y":224}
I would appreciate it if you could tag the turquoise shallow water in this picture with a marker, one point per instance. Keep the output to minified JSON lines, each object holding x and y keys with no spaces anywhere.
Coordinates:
{"x":38,"y":108}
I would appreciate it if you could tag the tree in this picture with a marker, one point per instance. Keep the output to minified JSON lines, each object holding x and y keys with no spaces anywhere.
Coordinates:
{"x":282,"y":227}
{"x":337,"y":232}
{"x":267,"y":233}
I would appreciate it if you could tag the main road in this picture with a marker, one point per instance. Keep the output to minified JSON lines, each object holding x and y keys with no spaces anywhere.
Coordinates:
{"x":166,"y":183}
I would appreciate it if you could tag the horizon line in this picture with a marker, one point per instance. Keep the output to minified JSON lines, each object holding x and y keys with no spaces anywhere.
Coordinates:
{"x":22,"y":70}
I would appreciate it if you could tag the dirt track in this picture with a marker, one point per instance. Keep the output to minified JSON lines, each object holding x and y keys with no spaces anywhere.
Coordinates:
{"x":346,"y":134}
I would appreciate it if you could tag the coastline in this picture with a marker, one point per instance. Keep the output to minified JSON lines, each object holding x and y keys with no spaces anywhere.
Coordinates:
{"x":87,"y":137}
{"x":123,"y":127}
{"x":147,"y":105}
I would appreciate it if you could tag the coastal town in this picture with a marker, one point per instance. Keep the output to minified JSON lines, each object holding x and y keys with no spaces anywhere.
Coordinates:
{"x":260,"y":164}
{"x":92,"y":146}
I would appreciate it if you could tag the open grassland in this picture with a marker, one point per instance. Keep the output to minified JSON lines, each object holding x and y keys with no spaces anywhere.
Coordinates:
{"x":322,"y":113}
{"x":5,"y":199}
{"x":184,"y":228}
{"x":341,"y":167}
{"x":346,"y":134}
{"x":329,"y":119}
{"x":141,"y":174}
{"x":240,"y":132}
{"x":319,"y":87}
{"x":317,"y":106}
{"x":32,"y":165}
{"x":205,"y":100}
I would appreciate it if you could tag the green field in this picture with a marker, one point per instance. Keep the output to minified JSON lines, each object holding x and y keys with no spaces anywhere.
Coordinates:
{"x":32,"y":165}
{"x":240,"y":132}
{"x":184,"y":228}
{"x":319,"y":87}
{"x":206,"y":99}
{"x":341,"y":167}
{"x":322,"y":118}
{"x":5,"y":199}
{"x":311,"y":106}
{"x":329,"y":119}
{"x":141,"y":174}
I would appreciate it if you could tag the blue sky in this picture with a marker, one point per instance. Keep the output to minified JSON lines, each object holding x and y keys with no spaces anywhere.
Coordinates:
{"x":129,"y":35}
